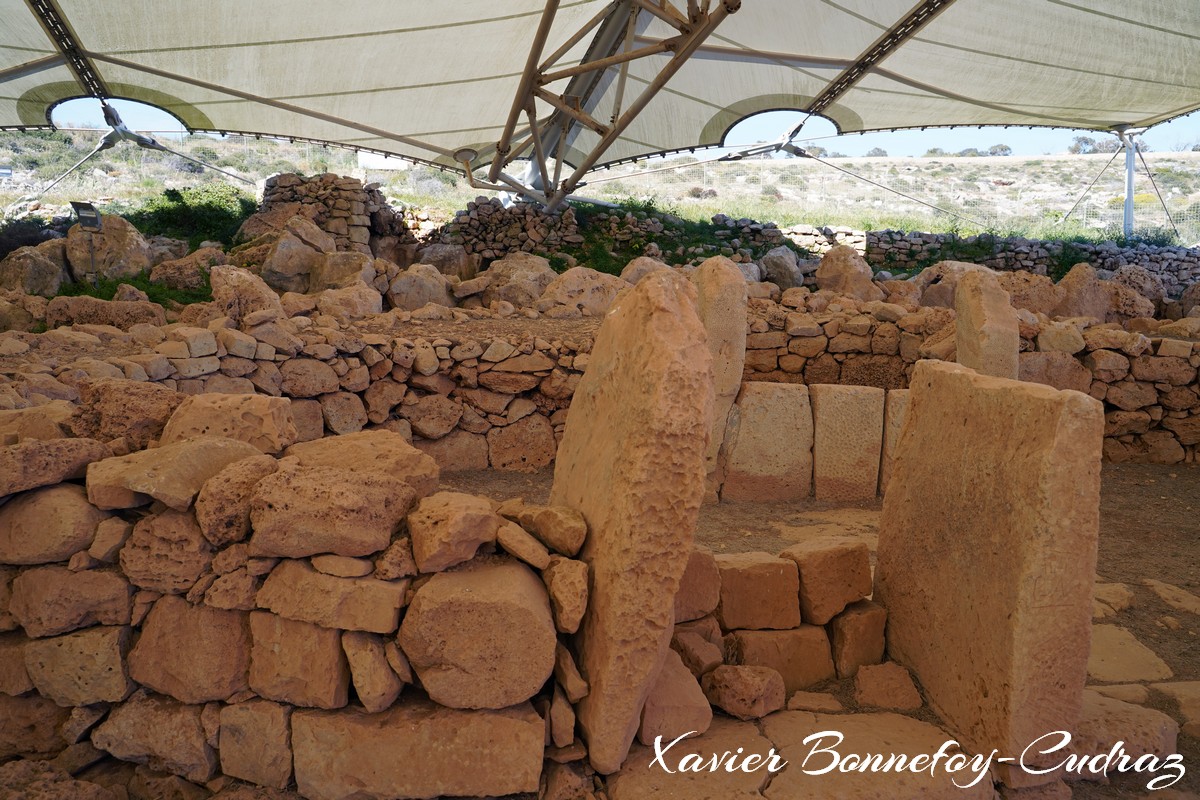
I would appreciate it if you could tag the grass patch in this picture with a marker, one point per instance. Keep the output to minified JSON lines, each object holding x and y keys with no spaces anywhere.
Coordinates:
{"x":106,"y":288}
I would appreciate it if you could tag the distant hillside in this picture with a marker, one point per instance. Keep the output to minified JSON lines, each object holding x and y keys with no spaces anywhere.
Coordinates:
{"x":1003,"y":194}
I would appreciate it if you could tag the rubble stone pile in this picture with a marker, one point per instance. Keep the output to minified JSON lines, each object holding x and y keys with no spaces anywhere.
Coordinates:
{"x":358,"y":217}
{"x":490,"y":229}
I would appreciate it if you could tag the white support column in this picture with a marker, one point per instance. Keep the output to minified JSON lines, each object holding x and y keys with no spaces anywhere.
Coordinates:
{"x":1130,"y":172}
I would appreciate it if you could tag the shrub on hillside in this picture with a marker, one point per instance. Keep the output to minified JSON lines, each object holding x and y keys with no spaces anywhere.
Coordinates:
{"x":211,"y":211}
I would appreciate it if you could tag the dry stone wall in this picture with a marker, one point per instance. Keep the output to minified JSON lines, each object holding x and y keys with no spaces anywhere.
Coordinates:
{"x":1176,"y":267}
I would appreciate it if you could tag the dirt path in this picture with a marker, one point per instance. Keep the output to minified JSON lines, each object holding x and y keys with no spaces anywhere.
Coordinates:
{"x":1149,"y":529}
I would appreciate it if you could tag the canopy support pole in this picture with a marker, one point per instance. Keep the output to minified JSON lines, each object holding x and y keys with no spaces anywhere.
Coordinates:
{"x":523,"y":100}
{"x":1130,"y":173}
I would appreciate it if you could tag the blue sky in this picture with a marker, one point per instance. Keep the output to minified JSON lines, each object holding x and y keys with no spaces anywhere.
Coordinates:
{"x":1179,"y":134}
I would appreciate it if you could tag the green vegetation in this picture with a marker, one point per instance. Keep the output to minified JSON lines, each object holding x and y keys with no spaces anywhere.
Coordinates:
{"x":212,"y":211}
{"x":106,"y":288}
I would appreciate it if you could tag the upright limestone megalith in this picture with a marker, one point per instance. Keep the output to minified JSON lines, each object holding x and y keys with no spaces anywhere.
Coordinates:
{"x":721,"y":290}
{"x":987,"y":337}
{"x":632,"y":462}
{"x":987,"y":553}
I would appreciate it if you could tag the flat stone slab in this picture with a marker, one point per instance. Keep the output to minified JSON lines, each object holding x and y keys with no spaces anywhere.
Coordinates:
{"x":847,"y":441}
{"x":1176,"y":598}
{"x":987,"y":552}
{"x":865,"y":734}
{"x":641,"y":777}
{"x":1118,"y":657}
{"x":768,"y":444}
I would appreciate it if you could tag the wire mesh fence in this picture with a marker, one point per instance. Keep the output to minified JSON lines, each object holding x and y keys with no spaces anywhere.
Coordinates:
{"x":1009,"y":195}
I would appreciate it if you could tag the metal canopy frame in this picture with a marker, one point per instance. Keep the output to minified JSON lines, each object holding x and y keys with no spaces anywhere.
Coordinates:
{"x":558,"y":95}
{"x":612,"y":48}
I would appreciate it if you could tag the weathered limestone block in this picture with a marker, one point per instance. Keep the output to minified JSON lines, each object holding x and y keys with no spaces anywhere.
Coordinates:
{"x":895,"y":412}
{"x":375,"y":682}
{"x":417,"y":749}
{"x":171,"y":474}
{"x":256,"y":743}
{"x":886,"y":686}
{"x":305,"y":511}
{"x":297,"y":662}
{"x":33,"y":463}
{"x":567,"y":583}
{"x":31,"y":726}
{"x":527,"y":445}
{"x":699,"y":589}
{"x":834,"y":572}
{"x":297,"y":591}
{"x":223,"y":505}
{"x":50,"y":600}
{"x":81,"y":668}
{"x":166,"y":553}
{"x":676,"y":704}
{"x":448,"y":527}
{"x":745,"y":692}
{"x":561,"y":529}
{"x":371,"y":451}
{"x":1059,"y":370}
{"x":987,"y":337}
{"x":47,"y":525}
{"x":262,"y":421}
{"x":193,"y":653}
{"x":516,"y":541}
{"x":800,"y":655}
{"x":14,"y":677}
{"x":768,"y":444}
{"x":160,"y":732}
{"x":997,"y":635}
{"x":857,"y":636}
{"x":721,"y":304}
{"x":457,"y":451}
{"x":758,"y":591}
{"x":638,"y":480}
{"x":481,"y":636}
{"x":847,"y":441}
{"x":1105,"y":721}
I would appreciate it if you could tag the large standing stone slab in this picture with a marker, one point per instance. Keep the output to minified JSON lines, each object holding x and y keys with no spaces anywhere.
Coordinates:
{"x":721,"y":303}
{"x":768,"y":444}
{"x":847,"y":441}
{"x":481,"y":636}
{"x":895,"y":411}
{"x":987,"y":338}
{"x":417,"y":749}
{"x":632,"y":462}
{"x":987,"y":552}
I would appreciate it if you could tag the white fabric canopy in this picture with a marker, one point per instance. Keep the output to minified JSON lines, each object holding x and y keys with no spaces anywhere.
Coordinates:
{"x":428,"y":79}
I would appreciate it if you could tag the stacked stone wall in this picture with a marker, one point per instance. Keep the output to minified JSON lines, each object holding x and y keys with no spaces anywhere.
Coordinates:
{"x":1176,"y":267}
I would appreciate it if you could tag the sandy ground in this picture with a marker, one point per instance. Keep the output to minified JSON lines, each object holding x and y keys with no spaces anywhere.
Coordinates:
{"x":1149,"y":528}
